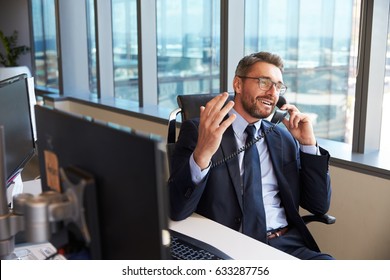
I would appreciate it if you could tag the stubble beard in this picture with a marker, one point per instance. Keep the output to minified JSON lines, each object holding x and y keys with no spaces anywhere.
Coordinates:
{"x":252,"y":107}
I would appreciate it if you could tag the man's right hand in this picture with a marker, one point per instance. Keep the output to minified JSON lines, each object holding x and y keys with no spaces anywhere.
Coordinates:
{"x":212,"y":127}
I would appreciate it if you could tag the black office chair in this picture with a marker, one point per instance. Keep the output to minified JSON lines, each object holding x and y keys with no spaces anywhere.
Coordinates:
{"x":189,"y":108}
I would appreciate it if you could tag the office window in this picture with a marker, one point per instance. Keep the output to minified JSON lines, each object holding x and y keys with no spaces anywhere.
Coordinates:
{"x":385,"y":131}
{"x":45,"y":43}
{"x":318,"y":41}
{"x":91,"y":41}
{"x":188,"y":34}
{"x":125,"y":49}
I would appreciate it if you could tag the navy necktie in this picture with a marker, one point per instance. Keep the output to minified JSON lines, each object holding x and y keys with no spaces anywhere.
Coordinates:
{"x":253,"y":223}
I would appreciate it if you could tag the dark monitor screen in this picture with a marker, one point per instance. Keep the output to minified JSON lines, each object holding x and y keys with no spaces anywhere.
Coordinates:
{"x":15,"y":117}
{"x":130,"y":177}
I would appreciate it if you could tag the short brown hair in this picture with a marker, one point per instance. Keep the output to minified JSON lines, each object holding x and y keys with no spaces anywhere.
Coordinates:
{"x":246,"y":62}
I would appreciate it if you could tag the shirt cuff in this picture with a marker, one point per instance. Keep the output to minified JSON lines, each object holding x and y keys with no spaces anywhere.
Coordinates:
{"x":197,"y":175}
{"x":310,"y":149}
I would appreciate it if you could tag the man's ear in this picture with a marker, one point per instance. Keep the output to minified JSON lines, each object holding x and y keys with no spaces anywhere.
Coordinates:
{"x":237,"y":82}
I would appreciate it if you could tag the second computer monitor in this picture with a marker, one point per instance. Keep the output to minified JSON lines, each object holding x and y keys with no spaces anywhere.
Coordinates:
{"x":15,"y":117}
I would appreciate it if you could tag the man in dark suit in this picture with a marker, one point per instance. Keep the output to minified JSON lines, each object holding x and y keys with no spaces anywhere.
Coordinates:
{"x":294,"y":170}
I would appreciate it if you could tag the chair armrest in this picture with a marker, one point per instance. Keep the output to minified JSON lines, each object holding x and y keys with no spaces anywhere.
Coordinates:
{"x":326,"y":219}
{"x":171,"y":138}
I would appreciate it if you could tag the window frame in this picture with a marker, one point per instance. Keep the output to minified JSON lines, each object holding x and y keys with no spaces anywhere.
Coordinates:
{"x":371,"y":65}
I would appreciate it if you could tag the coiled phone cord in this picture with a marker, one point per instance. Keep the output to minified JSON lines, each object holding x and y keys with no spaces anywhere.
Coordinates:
{"x":245,"y":147}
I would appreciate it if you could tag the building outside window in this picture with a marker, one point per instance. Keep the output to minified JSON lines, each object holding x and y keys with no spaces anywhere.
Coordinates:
{"x":318,"y":41}
{"x":188,"y":43}
{"x":91,"y":40}
{"x":45,"y":43}
{"x":125,"y":49}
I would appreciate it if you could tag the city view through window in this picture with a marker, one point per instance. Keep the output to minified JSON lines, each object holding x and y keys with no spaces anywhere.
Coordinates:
{"x":317,"y":39}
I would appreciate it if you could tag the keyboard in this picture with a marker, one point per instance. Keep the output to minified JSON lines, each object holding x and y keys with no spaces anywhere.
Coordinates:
{"x":184,"y":247}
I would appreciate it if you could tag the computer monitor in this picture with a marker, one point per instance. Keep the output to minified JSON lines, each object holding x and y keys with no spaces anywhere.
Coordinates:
{"x":130,"y":178}
{"x":15,"y":117}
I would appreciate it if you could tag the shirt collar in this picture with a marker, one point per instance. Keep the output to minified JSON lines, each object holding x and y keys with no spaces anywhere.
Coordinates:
{"x":239,"y":125}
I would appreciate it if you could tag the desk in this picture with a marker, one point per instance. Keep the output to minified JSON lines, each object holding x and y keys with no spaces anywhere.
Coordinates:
{"x":233,"y":243}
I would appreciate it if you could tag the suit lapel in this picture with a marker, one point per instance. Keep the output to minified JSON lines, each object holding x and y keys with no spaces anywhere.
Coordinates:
{"x":275,"y":148}
{"x":228,"y":147}
{"x":274,"y":144}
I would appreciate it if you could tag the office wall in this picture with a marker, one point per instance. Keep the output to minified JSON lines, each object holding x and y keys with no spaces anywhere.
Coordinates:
{"x":360,"y":202}
{"x":14,"y":16}
{"x":361,"y":205}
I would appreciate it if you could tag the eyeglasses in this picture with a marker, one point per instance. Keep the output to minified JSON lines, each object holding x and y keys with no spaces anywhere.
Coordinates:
{"x":266,"y":84}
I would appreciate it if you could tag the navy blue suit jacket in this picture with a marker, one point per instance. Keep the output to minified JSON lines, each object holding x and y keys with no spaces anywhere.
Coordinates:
{"x":303,"y":180}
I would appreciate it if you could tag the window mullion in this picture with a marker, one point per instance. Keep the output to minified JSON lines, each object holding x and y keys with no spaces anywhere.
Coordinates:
{"x":147,"y":50}
{"x":371,"y":72}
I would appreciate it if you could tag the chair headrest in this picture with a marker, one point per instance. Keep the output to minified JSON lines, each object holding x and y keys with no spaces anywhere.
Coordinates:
{"x":190,"y":104}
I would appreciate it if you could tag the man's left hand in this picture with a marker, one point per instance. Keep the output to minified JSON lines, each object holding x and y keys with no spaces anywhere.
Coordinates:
{"x":299,"y":125}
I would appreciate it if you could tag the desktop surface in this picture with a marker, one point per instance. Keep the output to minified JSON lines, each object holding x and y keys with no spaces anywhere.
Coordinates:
{"x":235,"y":244}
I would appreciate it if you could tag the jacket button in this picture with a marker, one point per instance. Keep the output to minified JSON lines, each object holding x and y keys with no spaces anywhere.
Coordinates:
{"x":237,"y":220}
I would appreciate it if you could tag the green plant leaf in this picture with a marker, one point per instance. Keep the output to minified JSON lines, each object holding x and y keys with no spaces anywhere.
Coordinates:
{"x":12,"y":50}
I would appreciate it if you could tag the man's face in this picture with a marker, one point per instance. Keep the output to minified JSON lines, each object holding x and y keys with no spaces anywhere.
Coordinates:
{"x":252,"y":102}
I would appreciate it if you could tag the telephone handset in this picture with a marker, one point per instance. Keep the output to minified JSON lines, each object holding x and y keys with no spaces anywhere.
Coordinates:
{"x":278,"y":116}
